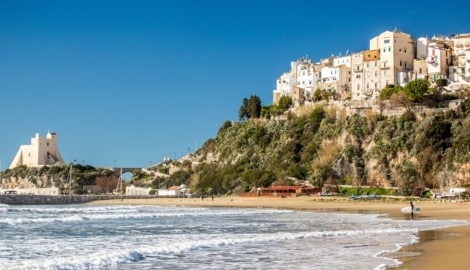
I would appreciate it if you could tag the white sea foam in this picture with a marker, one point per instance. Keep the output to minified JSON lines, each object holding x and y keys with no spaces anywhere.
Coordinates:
{"x":145,"y":237}
{"x":106,"y":213}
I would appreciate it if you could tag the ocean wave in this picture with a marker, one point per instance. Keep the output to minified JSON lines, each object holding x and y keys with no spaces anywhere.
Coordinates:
{"x":115,"y":258}
{"x":107,"y":213}
{"x":229,"y":234}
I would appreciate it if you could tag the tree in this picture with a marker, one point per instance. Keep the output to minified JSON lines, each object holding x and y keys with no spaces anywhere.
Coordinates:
{"x":441,"y":83}
{"x":243,"y":112}
{"x":285,"y":102}
{"x":250,"y":108}
{"x":387,"y":92}
{"x":254,"y":107}
{"x":317,"y":95}
{"x":400,"y":99}
{"x":107,"y":183}
{"x":226,"y":125}
{"x":179,"y":177}
{"x":415,"y":90}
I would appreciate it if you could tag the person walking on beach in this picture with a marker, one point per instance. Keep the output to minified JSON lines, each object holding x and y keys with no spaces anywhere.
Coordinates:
{"x":412,"y":210}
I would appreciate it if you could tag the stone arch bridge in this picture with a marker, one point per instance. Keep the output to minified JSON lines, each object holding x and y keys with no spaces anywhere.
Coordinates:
{"x":118,"y":171}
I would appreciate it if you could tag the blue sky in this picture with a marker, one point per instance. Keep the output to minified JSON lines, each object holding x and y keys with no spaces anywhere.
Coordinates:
{"x":128,"y":83}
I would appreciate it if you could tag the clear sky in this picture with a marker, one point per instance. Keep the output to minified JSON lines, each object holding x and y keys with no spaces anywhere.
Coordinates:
{"x":128,"y":83}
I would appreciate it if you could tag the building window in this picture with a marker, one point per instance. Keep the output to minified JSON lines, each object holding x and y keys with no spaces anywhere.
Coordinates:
{"x":387,"y":40}
{"x":420,"y":71}
{"x":401,"y":63}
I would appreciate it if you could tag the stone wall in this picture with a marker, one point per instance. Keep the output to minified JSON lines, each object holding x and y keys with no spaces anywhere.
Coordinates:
{"x":16,"y":199}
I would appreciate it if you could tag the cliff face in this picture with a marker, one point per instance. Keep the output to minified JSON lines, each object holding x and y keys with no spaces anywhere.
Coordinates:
{"x":324,"y":146}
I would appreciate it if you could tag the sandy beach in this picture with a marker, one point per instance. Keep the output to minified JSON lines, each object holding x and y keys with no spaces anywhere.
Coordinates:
{"x":436,"y":250}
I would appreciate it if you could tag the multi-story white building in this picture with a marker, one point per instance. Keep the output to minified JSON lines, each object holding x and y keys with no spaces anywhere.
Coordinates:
{"x":396,"y":57}
{"x":461,"y":52}
{"x":335,"y":79}
{"x":459,"y":72}
{"x":467,"y":64}
{"x":342,"y":61}
{"x":371,"y":73}
{"x":301,"y":75}
{"x":284,"y":86}
{"x":437,"y":58}
{"x":357,"y":76}
{"x":305,"y":76}
{"x":41,"y":151}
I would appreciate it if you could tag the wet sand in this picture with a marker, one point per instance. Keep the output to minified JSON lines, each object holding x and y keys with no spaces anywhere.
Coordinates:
{"x":438,"y":249}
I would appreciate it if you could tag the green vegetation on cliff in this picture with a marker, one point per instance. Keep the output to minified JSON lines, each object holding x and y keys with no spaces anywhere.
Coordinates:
{"x":57,"y":176}
{"x":323,"y":145}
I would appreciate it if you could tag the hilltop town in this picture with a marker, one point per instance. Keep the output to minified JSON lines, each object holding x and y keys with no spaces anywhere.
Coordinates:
{"x":394,"y":58}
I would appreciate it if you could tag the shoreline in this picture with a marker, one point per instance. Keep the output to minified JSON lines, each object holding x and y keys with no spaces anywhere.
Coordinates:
{"x":435,"y":249}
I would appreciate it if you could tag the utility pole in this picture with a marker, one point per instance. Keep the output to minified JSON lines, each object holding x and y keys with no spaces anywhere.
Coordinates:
{"x":70,"y":179}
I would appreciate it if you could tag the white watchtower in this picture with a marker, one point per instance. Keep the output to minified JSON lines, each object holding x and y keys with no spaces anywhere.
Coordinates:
{"x":41,"y":152}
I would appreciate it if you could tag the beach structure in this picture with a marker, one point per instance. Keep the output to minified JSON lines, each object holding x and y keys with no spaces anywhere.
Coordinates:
{"x":174,"y":191}
{"x":41,"y":152}
{"x":286,"y":191}
{"x":134,"y":191}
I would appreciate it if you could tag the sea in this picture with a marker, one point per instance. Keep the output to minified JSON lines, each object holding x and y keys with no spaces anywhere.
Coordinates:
{"x":172,"y":237}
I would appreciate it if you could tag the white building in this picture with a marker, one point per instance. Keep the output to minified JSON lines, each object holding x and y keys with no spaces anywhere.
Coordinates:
{"x":284,"y":85}
{"x":41,"y":152}
{"x":372,"y":79}
{"x":396,"y":57}
{"x":437,"y":57}
{"x":301,"y":75}
{"x":137,"y":191}
{"x":174,"y":191}
{"x":342,"y":61}
{"x":357,"y":76}
{"x":459,"y":72}
{"x":462,"y":54}
{"x":335,"y":79}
